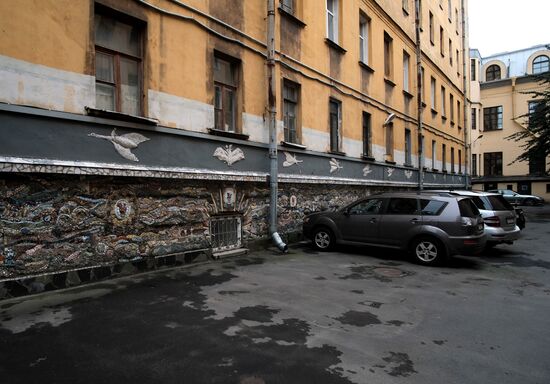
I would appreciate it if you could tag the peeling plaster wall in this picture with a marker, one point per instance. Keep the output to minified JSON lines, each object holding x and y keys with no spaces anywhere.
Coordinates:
{"x":36,"y":85}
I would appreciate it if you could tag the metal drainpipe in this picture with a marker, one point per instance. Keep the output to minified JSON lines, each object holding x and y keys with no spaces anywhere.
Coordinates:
{"x":419,"y":96}
{"x":271,"y":97}
{"x":465,"y":56}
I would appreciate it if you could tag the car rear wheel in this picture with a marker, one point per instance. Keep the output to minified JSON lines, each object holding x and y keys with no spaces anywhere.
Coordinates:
{"x":428,"y":251}
{"x":323,"y":239}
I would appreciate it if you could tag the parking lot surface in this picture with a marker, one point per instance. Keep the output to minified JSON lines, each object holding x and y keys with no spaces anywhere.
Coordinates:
{"x":355,"y":315}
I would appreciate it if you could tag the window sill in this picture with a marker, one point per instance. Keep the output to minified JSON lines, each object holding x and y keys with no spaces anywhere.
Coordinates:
{"x":366,"y":67}
{"x":232,"y":135}
{"x":119,"y":116}
{"x":389,"y":82}
{"x":292,"y":145}
{"x":408,"y":94}
{"x":405,"y":12}
{"x":292,"y":17}
{"x":452,"y":123}
{"x":434,"y":112}
{"x":335,"y":46}
{"x":408,"y":165}
{"x":339,"y":153}
{"x":390,"y":162}
{"x":432,"y":43}
{"x":435,"y":170}
{"x":367,"y":157}
{"x":424,"y":105}
{"x":444,"y":171}
{"x":443,"y":117}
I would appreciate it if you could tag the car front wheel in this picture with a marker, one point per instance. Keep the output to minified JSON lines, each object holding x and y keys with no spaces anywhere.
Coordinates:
{"x":323,"y":239}
{"x":428,"y":251}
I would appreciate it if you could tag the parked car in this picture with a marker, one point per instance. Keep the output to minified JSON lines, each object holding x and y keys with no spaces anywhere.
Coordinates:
{"x":499,"y":216}
{"x":431,"y":227}
{"x":515,"y":198}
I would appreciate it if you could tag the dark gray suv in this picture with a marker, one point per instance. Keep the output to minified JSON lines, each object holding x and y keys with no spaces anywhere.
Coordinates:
{"x":430,"y":226}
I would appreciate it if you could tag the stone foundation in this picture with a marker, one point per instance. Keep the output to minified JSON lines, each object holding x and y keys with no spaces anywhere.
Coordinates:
{"x":51,"y":224}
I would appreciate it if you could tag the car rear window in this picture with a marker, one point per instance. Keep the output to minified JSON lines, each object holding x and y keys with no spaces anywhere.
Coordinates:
{"x":431,"y":207}
{"x":499,"y":203}
{"x":481,"y":203}
{"x":467,"y":208}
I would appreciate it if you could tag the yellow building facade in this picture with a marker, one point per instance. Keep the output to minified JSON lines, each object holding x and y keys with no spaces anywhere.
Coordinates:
{"x":503,"y":101}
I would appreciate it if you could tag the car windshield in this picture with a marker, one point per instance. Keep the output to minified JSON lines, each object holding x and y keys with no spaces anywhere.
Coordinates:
{"x":467,"y":208}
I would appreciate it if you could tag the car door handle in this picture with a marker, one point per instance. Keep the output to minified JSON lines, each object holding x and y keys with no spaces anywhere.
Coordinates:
{"x":415,"y":221}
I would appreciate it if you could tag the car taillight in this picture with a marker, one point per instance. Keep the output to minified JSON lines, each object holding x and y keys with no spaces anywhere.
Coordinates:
{"x":493,"y":221}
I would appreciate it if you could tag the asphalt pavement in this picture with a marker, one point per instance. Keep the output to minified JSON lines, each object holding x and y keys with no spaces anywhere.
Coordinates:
{"x":355,"y":315}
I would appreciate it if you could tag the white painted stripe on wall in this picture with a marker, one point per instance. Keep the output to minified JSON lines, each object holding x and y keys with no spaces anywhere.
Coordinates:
{"x":315,"y":140}
{"x":37,"y":85}
{"x":353,"y":148}
{"x":179,"y":112}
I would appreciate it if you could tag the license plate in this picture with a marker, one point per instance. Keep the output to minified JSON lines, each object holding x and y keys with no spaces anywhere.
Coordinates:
{"x":510,"y":220}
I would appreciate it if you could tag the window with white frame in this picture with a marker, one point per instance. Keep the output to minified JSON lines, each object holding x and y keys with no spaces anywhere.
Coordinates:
{"x":332,"y":20}
{"x":432,"y":93}
{"x":406,"y":69}
{"x":364,"y":26}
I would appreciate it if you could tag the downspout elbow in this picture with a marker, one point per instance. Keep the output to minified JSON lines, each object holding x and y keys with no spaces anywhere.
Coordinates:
{"x":279,"y":243}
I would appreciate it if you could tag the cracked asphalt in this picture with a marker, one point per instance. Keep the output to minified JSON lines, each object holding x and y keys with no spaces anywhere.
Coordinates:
{"x":356,"y":315}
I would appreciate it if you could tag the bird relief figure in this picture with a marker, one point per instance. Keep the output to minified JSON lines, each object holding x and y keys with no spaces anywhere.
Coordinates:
{"x":367,"y":170}
{"x":228,"y":154}
{"x":124,"y":143}
{"x":334,"y":165}
{"x":290,"y":160}
{"x":389,"y":171}
{"x":408,"y":173}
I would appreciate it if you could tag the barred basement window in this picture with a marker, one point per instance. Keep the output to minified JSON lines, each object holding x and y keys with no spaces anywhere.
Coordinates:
{"x":225,"y":232}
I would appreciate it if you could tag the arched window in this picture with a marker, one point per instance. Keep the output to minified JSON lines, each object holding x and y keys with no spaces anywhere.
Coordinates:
{"x":492,"y":73}
{"x":541,"y":64}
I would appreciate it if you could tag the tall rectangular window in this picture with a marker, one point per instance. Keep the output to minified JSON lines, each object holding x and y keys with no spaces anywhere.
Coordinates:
{"x":432,"y":93}
{"x":420,"y":18}
{"x":405,"y":6}
{"x":118,"y":62}
{"x":388,"y":55}
{"x":457,"y":20}
{"x":408,"y":147}
{"x":364,"y":31}
{"x":452,"y":160}
{"x":367,"y":138}
{"x":434,"y":153}
{"x":474,"y":164}
{"x":459,"y":161}
{"x":443,"y":157}
{"x":449,"y":10}
{"x":492,"y":118}
{"x":432,"y":31}
{"x":473,"y":69}
{"x":422,"y":85}
{"x":332,"y":20}
{"x":457,"y":62}
{"x":406,"y":68}
{"x":474,"y":118}
{"x":443,"y":102}
{"x":532,"y":108}
{"x":225,"y":90}
{"x":291,"y":92}
{"x":335,"y":112}
{"x":451,"y":52}
{"x":452,"y":107}
{"x":492,"y":164}
{"x":441,"y":41}
{"x":288,"y":6}
{"x":459,"y":113}
{"x":389,"y":141}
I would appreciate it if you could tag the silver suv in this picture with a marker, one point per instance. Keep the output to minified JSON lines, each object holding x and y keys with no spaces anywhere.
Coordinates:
{"x":499,"y":216}
{"x":432,"y":226}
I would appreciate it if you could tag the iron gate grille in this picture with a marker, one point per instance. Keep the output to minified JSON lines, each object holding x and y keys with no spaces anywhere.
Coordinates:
{"x":225,"y":232}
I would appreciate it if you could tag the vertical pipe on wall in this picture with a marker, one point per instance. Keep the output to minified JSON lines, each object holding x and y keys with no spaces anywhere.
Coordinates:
{"x":419,"y":96}
{"x":272,"y":110}
{"x":467,"y":116}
